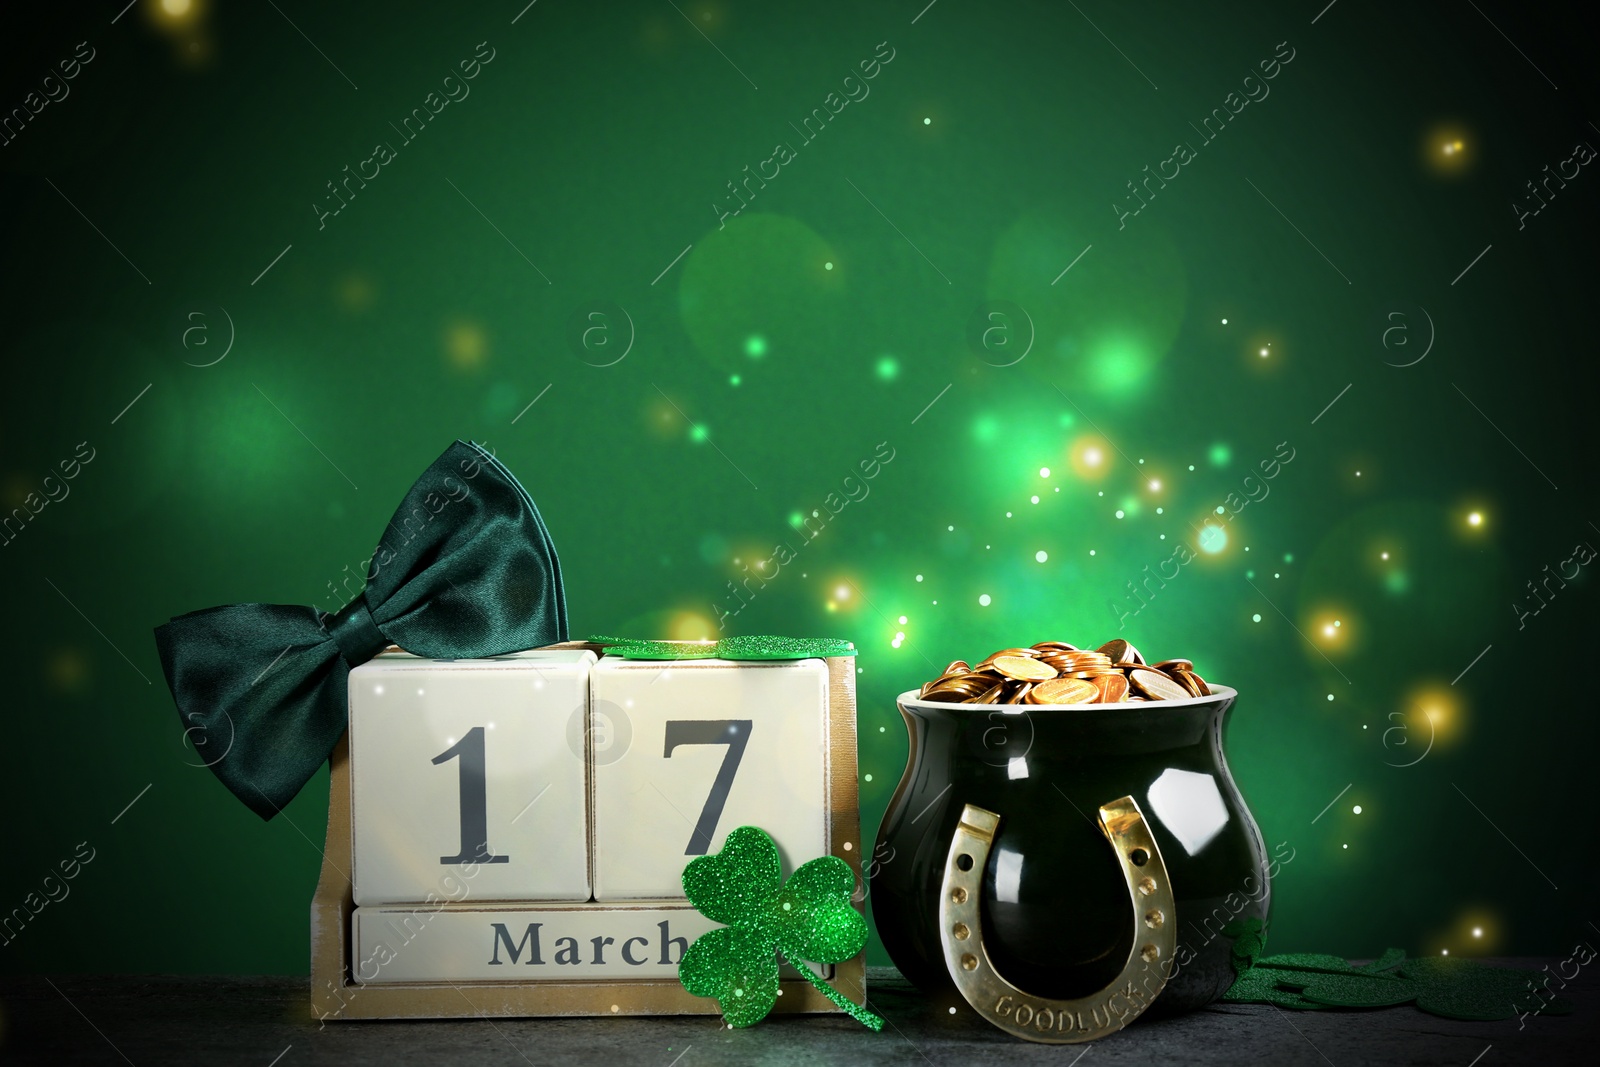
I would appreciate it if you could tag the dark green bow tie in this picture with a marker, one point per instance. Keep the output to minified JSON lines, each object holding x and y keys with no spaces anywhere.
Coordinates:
{"x":465,"y":569}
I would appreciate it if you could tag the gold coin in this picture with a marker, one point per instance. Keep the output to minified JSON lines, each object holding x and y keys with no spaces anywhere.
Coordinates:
{"x":1063,"y":691}
{"x":1024,"y":669}
{"x":990,"y":696}
{"x":1091,"y":673}
{"x":1119,"y":651}
{"x":1187,"y":680}
{"x":1075,"y":660}
{"x":988,"y":661}
{"x":958,"y":687}
{"x":1155,"y":685}
{"x":1057,"y":672}
{"x":1113,"y":688}
{"x":951,"y":681}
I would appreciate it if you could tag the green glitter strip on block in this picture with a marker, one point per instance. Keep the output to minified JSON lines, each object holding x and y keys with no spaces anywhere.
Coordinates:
{"x":730,"y":648}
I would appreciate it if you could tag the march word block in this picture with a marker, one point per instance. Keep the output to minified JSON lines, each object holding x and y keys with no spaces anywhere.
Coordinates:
{"x":526,"y":819}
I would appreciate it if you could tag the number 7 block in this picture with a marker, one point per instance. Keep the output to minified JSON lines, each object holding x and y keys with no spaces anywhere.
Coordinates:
{"x":698,"y":748}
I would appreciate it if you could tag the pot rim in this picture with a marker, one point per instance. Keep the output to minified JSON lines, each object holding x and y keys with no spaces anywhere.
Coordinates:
{"x":1219,"y":693}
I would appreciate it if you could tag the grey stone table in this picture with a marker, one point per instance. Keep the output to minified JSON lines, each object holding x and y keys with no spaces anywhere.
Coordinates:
{"x":265,"y":1022}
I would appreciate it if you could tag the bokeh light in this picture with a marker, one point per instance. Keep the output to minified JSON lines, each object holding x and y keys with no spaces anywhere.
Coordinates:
{"x":1448,"y":150}
{"x":1475,"y":931}
{"x":465,"y":345}
{"x":68,"y":671}
{"x":356,"y":292}
{"x":1213,"y":539}
{"x":751,"y":290}
{"x":1090,"y":456}
{"x":1433,"y":709}
{"x":1127,"y":304}
{"x":690,"y":626}
{"x":1330,"y":629}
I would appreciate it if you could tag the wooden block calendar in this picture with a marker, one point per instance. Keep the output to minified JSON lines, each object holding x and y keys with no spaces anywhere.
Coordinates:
{"x":506,"y":837}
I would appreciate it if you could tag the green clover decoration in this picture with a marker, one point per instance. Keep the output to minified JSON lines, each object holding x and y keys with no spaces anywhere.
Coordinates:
{"x":1440,"y":985}
{"x":809,"y":917}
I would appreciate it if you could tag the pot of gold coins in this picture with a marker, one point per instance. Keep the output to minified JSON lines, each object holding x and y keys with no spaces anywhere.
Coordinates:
{"x":1067,"y":848}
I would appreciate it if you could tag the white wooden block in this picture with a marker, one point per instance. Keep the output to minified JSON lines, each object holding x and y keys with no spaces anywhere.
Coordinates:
{"x":699,"y":748}
{"x":449,"y":757}
{"x":522,"y":944}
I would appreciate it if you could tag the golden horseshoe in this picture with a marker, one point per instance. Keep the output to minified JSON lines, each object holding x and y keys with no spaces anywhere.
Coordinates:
{"x":1059,"y":1022}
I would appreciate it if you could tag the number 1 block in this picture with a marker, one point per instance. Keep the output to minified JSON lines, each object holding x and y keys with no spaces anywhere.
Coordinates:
{"x":698,"y":748}
{"x":470,"y":773}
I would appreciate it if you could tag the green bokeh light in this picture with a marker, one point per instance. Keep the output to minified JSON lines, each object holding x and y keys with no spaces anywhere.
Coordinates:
{"x":752,"y":289}
{"x":713,"y":548}
{"x":1116,"y":320}
{"x":888,"y":368}
{"x":1118,"y":367}
{"x":1220,"y":455}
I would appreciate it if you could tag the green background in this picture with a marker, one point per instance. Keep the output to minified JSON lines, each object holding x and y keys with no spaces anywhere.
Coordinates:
{"x":987,"y":157}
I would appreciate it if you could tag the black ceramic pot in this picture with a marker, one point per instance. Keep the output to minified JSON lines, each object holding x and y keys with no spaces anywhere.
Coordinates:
{"x":1056,"y":910}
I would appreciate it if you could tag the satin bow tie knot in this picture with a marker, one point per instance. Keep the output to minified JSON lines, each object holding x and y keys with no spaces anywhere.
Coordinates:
{"x":353,"y":630}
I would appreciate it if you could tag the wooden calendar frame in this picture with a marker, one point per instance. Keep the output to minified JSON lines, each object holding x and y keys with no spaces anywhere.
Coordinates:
{"x":335,"y":995}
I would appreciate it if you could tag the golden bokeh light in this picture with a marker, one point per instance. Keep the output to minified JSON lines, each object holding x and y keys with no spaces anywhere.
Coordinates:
{"x":1475,"y":932}
{"x":68,"y":671}
{"x":1447,"y":149}
{"x":689,"y":625}
{"x":1472,"y":519}
{"x":356,"y":292}
{"x":1090,"y":456}
{"x":1433,"y":709}
{"x":1333,"y":628}
{"x":466,"y":345}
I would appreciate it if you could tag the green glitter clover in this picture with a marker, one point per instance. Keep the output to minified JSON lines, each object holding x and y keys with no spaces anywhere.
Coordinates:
{"x":1439,"y":985}
{"x":807,"y":918}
